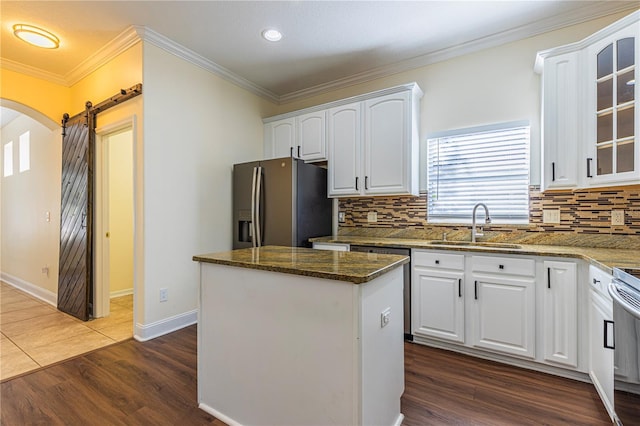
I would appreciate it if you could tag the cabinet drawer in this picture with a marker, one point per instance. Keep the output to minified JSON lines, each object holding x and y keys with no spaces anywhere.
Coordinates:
{"x":437,"y":260}
{"x":504,"y":265}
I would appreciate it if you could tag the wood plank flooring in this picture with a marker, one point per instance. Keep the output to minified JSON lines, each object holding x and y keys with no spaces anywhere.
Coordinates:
{"x":154,"y":382}
{"x":34,"y":334}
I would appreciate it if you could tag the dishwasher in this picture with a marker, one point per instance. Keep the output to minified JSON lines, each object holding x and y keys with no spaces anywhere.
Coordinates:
{"x":406,"y":288}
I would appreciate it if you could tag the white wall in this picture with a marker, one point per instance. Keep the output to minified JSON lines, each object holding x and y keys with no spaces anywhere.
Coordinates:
{"x":29,"y":241}
{"x":197,"y":126}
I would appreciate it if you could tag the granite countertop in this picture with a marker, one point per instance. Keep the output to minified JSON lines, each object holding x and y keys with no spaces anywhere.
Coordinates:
{"x":356,"y":268}
{"x":604,"y":258}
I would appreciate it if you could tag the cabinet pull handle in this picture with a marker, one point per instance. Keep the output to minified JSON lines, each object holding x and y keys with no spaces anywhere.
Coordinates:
{"x":501,"y":266}
{"x":475,"y":290}
{"x":356,"y":183}
{"x":291,"y":152}
{"x":606,"y":335}
{"x":553,"y":171}
{"x":596,"y":281}
{"x":459,"y":287}
{"x":298,"y":151}
{"x":548,"y":277}
{"x":366,"y":183}
{"x":589,"y":160}
{"x":437,"y":262}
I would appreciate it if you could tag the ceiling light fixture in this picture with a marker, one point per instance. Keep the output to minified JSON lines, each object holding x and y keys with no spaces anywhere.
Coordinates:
{"x":36,"y":36}
{"x":272,"y":35}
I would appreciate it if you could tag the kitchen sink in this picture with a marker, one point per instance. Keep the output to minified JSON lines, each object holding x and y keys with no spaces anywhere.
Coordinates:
{"x":478,"y":244}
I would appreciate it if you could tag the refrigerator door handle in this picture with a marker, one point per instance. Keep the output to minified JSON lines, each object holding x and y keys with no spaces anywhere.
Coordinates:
{"x":258,"y":213}
{"x":252,"y":231}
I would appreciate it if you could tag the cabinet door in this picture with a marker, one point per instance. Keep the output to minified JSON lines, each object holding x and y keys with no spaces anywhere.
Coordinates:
{"x":279,"y":138}
{"x":345,"y":145}
{"x":613,"y":113}
{"x":561,"y":130}
{"x":560,"y":313}
{"x":600,"y":358}
{"x":438,"y":304}
{"x":504,"y":314}
{"x":387,"y":144}
{"x":312,"y":142}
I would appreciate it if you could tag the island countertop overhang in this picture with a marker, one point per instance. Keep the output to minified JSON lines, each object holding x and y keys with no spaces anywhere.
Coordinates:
{"x":357,"y":268}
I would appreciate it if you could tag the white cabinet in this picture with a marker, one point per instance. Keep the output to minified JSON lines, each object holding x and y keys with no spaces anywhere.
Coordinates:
{"x":312,"y":140}
{"x":560,"y":313}
{"x":280,"y":138}
{"x":302,"y":137}
{"x":601,"y":358}
{"x":503,"y":308}
{"x":345,"y":150}
{"x":560,"y":127}
{"x":590,"y":109}
{"x":373,"y":145}
{"x":613,"y":111}
{"x":438,"y":295}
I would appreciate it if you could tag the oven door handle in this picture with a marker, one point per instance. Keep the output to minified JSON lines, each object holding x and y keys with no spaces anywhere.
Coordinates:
{"x":617,"y":298}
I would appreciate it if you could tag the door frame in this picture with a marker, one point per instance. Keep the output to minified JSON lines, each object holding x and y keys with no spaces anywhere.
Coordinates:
{"x":101,"y":258}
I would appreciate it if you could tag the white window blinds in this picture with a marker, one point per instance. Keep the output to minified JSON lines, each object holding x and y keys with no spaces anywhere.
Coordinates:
{"x":485,"y":166}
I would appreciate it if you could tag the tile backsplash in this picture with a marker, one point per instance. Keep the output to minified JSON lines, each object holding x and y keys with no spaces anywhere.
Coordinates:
{"x":583,"y":213}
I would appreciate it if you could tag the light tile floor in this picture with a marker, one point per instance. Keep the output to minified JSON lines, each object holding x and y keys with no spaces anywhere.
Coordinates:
{"x":34,"y":334}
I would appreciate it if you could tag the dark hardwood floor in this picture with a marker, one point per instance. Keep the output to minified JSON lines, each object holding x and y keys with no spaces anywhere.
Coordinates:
{"x":133,"y":383}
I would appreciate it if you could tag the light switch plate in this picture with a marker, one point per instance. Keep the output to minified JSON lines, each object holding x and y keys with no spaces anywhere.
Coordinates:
{"x":551,"y":216}
{"x":340,"y":217}
{"x":372,"y":217}
{"x":617,"y":217}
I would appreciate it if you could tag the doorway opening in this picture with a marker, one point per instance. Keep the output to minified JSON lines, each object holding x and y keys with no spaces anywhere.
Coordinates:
{"x":114,"y":217}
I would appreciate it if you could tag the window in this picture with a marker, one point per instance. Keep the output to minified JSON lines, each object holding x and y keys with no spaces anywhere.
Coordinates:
{"x":482,"y":165}
{"x":24,"y":152}
{"x":8,"y":159}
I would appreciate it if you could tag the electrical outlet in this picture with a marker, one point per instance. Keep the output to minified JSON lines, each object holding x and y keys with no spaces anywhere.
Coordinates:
{"x":617,"y":217}
{"x":341,"y":217}
{"x":385,"y":317}
{"x":45,"y":270}
{"x":372,"y":217}
{"x":47,"y":216}
{"x":551,"y":216}
{"x":164,"y":294}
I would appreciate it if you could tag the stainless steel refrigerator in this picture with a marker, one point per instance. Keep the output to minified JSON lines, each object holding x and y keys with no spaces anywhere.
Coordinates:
{"x":282,"y":202}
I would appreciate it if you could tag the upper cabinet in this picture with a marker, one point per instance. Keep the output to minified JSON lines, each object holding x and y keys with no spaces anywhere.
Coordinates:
{"x":370,"y":141}
{"x":590,"y":110}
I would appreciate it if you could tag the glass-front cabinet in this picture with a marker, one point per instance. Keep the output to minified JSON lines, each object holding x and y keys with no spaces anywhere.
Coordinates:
{"x":612,"y":154}
{"x":590,"y":109}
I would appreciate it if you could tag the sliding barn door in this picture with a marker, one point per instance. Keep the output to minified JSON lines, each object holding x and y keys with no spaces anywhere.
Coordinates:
{"x":75,"y":274}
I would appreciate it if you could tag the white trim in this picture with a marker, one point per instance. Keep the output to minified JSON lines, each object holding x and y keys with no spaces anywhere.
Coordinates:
{"x":32,"y":289}
{"x":122,"y":42}
{"x":18,"y":67}
{"x":31,"y":113}
{"x":120,"y":293}
{"x":218,"y":415}
{"x":189,"y":55}
{"x":144,"y":332}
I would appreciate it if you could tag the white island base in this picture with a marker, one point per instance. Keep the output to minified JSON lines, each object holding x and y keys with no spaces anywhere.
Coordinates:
{"x":283,"y":349}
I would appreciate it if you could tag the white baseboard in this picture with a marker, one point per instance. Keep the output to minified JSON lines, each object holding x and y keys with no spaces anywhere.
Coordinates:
{"x":120,"y":293}
{"x":34,"y":290}
{"x":144,"y":332}
{"x":218,"y":415}
{"x":399,"y":420}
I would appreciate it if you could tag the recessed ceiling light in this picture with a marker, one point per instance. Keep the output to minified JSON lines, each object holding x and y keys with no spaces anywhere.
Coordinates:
{"x":272,"y":35}
{"x":36,"y":36}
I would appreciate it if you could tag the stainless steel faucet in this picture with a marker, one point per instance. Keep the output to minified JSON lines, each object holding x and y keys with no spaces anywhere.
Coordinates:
{"x":474,"y":232}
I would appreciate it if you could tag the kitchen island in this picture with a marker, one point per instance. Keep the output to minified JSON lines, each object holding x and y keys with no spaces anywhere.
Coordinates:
{"x":295,"y":336}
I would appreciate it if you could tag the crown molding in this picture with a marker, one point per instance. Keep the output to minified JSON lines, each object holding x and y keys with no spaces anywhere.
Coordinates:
{"x":21,"y":68}
{"x":586,"y":13}
{"x":122,"y":42}
{"x":165,"y":43}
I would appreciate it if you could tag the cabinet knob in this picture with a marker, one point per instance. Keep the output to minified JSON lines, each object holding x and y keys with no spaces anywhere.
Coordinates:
{"x":437,"y":262}
{"x":501,"y":266}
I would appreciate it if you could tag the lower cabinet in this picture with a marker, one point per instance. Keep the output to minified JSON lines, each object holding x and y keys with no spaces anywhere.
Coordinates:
{"x":601,"y":358}
{"x":560,"y":313}
{"x":503,"y":308}
{"x":522,"y":306}
{"x":439,"y":294}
